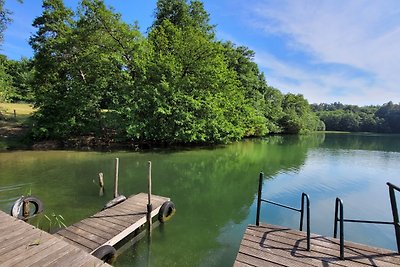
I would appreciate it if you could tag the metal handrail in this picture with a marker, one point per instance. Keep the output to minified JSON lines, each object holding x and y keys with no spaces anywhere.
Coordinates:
{"x":304,"y":199}
{"x":342,"y":220}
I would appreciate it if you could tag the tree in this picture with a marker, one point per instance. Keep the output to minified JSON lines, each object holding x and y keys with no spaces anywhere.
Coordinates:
{"x":7,"y":91}
{"x":57,"y":97}
{"x":252,"y":83}
{"x":190,"y":95}
{"x":183,"y":14}
{"x":95,"y":75}
{"x":390,"y":112}
{"x":298,"y":117}
{"x":86,"y":62}
{"x":21,"y":73}
{"x":4,"y":19}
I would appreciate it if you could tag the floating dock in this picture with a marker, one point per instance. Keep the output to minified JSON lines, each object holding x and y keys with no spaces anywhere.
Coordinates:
{"x":110,"y":226}
{"x":22,"y":244}
{"x":270,"y":245}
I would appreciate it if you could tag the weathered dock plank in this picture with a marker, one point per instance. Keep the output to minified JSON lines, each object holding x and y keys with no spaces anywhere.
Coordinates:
{"x":22,"y":244}
{"x":270,"y":245}
{"x":110,"y":226}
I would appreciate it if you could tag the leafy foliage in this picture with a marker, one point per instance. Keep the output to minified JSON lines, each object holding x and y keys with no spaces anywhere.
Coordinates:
{"x":17,"y":79}
{"x":4,"y":19}
{"x":339,"y":117}
{"x":95,"y":74}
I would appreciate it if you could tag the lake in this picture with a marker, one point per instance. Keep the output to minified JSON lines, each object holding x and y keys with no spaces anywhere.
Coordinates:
{"x":215,"y":190}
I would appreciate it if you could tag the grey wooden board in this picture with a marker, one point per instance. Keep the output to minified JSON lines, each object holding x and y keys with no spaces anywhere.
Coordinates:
{"x":22,"y":244}
{"x":91,"y":232}
{"x":270,"y":245}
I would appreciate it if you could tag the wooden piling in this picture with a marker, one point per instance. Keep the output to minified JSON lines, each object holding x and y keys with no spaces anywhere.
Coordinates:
{"x":25,"y":209}
{"x":101,"y":184}
{"x":116,"y":177}
{"x":149,"y":205}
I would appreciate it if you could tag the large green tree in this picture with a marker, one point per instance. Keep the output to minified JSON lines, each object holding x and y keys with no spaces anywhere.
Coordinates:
{"x":190,"y":94}
{"x":56,"y":95}
{"x":85,"y":63}
{"x":95,"y":74}
{"x":298,"y":116}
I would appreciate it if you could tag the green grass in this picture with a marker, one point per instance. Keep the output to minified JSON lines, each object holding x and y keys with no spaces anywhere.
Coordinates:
{"x":22,"y":111}
{"x":14,"y":128}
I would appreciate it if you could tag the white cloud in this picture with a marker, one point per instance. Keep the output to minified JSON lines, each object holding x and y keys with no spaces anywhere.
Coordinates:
{"x":360,"y":35}
{"x":322,"y":86}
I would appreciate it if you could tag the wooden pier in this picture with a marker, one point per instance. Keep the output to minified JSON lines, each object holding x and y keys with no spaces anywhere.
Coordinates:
{"x":270,"y":245}
{"x":110,"y":226}
{"x":22,"y":244}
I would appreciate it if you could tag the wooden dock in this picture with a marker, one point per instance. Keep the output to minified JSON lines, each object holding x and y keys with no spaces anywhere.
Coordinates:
{"x":110,"y":226}
{"x":270,"y":245}
{"x":22,"y":244}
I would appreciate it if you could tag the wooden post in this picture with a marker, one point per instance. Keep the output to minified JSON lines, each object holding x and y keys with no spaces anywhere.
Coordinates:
{"x":25,"y":209}
{"x":116,"y":177}
{"x":101,"y":184}
{"x":15,"y":113}
{"x":149,"y":205}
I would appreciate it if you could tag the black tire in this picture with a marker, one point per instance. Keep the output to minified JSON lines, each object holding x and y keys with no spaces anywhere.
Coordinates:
{"x":166,"y":212}
{"x":16,"y":210}
{"x":105,"y":253}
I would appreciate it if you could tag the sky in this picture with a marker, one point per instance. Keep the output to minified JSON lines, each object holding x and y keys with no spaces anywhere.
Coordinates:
{"x":329,"y":51}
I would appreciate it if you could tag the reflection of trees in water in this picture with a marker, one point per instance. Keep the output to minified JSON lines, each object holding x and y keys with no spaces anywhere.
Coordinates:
{"x":210,"y":187}
{"x":366,"y":141}
{"x":213,"y":188}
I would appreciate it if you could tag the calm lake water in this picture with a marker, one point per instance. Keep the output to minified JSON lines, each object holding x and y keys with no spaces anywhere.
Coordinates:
{"x":215,"y":190}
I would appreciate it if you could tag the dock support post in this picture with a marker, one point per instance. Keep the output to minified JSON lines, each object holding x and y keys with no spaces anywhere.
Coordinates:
{"x":260,"y":181}
{"x":149,"y":205}
{"x":116,"y":177}
{"x":25,"y":209}
{"x":101,"y":184}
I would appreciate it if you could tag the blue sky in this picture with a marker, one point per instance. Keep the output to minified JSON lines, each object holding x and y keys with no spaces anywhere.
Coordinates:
{"x":332,"y":50}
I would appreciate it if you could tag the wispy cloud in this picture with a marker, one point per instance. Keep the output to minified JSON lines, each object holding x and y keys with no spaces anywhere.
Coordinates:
{"x":355,"y":42}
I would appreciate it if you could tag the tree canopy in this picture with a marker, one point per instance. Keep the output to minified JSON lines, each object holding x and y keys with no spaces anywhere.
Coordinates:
{"x":340,"y":117}
{"x":94,"y":74}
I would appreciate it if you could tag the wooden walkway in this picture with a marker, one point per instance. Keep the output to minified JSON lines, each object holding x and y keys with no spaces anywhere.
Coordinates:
{"x":110,"y":226}
{"x":270,"y":245}
{"x":22,"y":244}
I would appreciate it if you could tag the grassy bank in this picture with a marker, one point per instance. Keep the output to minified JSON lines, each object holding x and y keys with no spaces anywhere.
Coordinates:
{"x":14,"y":125}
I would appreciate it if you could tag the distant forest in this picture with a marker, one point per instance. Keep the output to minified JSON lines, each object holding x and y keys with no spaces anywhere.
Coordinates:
{"x":351,"y":118}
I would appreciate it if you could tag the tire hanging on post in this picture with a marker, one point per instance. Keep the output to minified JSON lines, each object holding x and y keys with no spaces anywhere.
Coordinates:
{"x":105,"y":253}
{"x":17,"y":207}
{"x":166,"y":212}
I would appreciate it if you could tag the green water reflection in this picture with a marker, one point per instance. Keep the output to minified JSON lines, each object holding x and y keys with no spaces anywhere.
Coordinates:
{"x":214,"y":189}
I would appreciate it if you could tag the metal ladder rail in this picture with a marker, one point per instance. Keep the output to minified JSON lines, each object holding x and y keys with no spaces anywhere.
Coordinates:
{"x":304,"y":200}
{"x":342,"y":220}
